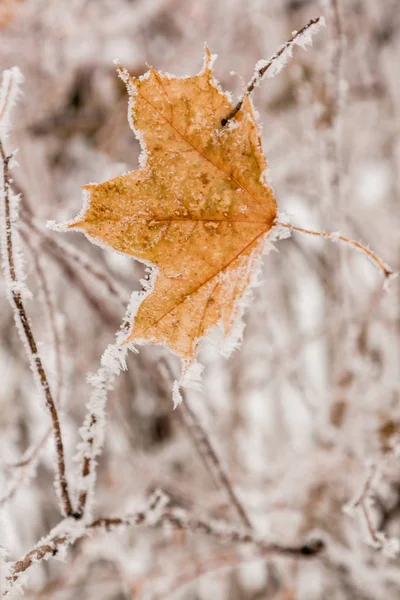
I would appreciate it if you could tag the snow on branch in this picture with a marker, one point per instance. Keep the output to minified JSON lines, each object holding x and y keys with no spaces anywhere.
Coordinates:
{"x":276,"y":63}
{"x":157,"y":512}
{"x":92,"y":431}
{"x":15,"y":280}
{"x":366,"y":500}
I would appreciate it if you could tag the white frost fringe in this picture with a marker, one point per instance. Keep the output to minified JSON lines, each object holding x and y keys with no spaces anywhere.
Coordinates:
{"x":92,"y":432}
{"x":191,"y":374}
{"x":278,"y":61}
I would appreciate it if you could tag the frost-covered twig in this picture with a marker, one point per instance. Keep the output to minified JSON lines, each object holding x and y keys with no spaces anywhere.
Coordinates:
{"x":211,"y":458}
{"x":51,"y":315}
{"x":366,"y":499}
{"x":335,"y":237}
{"x":155,"y":514}
{"x":226,"y":533}
{"x":275,"y":64}
{"x":207,"y":450}
{"x":150,"y":516}
{"x":92,"y":431}
{"x":15,"y":288}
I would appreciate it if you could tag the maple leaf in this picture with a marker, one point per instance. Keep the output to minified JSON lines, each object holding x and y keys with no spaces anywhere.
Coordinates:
{"x":199,"y":209}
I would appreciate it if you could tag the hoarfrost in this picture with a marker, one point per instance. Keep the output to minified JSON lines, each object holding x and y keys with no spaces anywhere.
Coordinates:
{"x":277,"y":62}
{"x":9,"y":92}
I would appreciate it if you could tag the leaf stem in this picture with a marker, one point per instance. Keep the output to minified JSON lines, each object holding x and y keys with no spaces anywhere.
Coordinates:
{"x":387,"y":271}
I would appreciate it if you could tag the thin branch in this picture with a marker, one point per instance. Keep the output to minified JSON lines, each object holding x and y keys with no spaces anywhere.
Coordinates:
{"x":61,"y":255}
{"x":157,"y":513}
{"x":335,"y":90}
{"x":211,"y":458}
{"x":22,"y":320}
{"x":283,"y":53}
{"x":336,"y":83}
{"x":366,"y":499}
{"x":30,"y":453}
{"x":23,"y":473}
{"x":79,"y":259}
{"x":208,"y":452}
{"x":113,"y":361}
{"x":226,"y":533}
{"x":387,"y":271}
{"x":150,"y":516}
{"x":230,"y":560}
{"x":52,"y":317}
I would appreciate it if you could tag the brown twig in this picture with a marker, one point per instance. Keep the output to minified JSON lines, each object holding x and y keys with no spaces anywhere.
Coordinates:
{"x":387,"y":271}
{"x":33,"y":452}
{"x":113,"y":361}
{"x":85,"y":469}
{"x":51,"y":547}
{"x":52,"y":317}
{"x":158,"y":513}
{"x":22,"y":319}
{"x":259,"y":74}
{"x":207,"y":451}
{"x":226,"y":533}
{"x":211,"y":458}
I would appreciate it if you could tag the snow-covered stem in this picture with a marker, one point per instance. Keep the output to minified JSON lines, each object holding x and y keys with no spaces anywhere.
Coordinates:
{"x":150,"y":516}
{"x":365,"y":501}
{"x":226,"y":533}
{"x":278,"y":60}
{"x":92,"y":431}
{"x":205,"y":447}
{"x":158,"y":513}
{"x":51,"y":316}
{"x":24,"y":328}
{"x":210,"y":457}
{"x":335,"y":237}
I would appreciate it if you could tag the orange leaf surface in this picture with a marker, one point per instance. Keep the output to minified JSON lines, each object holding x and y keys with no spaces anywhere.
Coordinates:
{"x":199,"y":208}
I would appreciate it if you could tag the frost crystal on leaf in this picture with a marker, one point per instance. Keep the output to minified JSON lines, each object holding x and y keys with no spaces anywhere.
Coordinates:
{"x":197,"y":213}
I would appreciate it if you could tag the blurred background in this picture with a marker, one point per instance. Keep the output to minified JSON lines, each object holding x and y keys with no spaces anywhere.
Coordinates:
{"x":310,"y":400}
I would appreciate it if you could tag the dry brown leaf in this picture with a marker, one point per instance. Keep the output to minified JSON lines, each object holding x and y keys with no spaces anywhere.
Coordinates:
{"x":199,"y":208}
